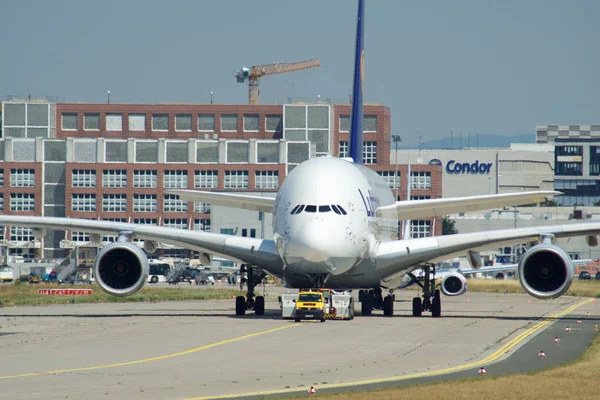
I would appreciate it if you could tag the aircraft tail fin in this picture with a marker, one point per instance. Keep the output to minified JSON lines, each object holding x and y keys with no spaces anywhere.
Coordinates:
{"x":356,"y":118}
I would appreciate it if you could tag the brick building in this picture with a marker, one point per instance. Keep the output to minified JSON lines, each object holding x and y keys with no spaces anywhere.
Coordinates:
{"x":115,"y":161}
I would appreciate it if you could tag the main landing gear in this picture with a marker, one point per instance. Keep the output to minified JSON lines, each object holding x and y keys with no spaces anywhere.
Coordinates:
{"x":373,"y":300}
{"x":431,"y":296}
{"x":252,"y":277}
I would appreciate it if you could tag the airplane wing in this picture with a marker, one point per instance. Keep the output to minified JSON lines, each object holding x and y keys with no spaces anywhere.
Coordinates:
{"x":253,"y":203}
{"x":415,"y":209}
{"x":260,"y":252}
{"x":494,"y":268}
{"x":394,"y":258}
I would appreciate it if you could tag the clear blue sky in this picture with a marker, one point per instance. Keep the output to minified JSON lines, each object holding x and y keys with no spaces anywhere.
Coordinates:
{"x":480,"y":67}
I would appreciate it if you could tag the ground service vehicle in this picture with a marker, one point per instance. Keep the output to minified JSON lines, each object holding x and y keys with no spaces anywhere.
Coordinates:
{"x":158,"y":272}
{"x":584,"y":275}
{"x":6,"y":273}
{"x":310,"y":305}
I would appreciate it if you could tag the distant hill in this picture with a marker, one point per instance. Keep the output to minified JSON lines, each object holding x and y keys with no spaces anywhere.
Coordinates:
{"x":485,"y":141}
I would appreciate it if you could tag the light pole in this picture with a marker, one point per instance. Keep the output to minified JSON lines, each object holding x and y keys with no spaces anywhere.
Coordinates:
{"x":396,"y":139}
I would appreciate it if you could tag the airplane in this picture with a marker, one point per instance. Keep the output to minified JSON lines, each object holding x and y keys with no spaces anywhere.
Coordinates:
{"x":335,"y":225}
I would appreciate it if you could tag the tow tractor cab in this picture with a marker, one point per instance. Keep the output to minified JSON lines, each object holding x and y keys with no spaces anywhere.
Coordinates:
{"x":310,"y":305}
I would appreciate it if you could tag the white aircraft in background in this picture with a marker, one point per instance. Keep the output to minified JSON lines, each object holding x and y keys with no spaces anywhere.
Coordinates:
{"x":335,"y":225}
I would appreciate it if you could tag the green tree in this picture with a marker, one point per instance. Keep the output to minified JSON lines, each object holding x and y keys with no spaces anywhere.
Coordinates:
{"x":448,"y":226}
{"x":548,"y":203}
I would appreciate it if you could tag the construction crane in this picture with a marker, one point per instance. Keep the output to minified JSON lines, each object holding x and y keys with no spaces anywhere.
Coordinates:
{"x":253,"y":74}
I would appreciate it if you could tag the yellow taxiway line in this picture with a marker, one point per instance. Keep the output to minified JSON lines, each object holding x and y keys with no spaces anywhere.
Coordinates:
{"x":145,"y":360}
{"x":511,"y":344}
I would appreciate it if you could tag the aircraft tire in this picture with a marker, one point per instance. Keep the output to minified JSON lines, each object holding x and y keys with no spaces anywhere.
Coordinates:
{"x":417,"y":309}
{"x":436,"y":307}
{"x":388,"y":306}
{"x":259,"y":305}
{"x":366,"y":306}
{"x":240,"y":305}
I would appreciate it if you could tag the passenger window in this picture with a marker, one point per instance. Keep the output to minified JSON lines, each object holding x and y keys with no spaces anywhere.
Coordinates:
{"x":335,"y":210}
{"x":311,"y":209}
{"x":294,"y":209}
{"x":324,"y":209}
{"x":342,"y":210}
{"x":300,"y":209}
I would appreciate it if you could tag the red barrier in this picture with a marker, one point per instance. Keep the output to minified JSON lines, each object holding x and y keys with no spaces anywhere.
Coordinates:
{"x":65,"y":292}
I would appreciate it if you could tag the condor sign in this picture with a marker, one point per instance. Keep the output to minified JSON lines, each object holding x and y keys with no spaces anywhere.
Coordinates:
{"x":452,"y":167}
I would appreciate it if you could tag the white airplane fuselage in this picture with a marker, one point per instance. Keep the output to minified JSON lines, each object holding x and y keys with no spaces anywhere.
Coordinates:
{"x":325,"y":226}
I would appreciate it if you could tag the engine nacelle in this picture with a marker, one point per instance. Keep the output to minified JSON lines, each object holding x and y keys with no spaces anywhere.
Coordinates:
{"x":546,"y":271}
{"x":454,"y":284}
{"x":121,"y":269}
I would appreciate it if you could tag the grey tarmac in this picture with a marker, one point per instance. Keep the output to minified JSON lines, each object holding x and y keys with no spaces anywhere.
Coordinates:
{"x":199,"y":349}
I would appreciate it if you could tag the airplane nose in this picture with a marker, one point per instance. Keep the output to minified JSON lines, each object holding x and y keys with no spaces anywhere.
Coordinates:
{"x":311,"y":243}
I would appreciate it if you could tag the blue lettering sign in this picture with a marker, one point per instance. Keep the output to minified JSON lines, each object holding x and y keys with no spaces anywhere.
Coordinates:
{"x":452,"y":167}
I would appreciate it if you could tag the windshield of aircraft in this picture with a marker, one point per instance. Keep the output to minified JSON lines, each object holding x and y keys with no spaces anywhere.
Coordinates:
{"x":313,"y":298}
{"x":322,"y":209}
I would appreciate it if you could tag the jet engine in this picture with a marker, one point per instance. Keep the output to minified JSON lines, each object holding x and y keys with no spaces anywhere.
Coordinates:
{"x":454,"y":284}
{"x":121,"y":269}
{"x":546,"y":271}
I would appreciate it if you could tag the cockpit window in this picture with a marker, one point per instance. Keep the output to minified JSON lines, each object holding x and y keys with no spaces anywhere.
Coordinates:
{"x":324,"y":209}
{"x":294,"y":209}
{"x":300,"y":209}
{"x":342,"y":210}
{"x":311,"y":209}
{"x":336,"y":210}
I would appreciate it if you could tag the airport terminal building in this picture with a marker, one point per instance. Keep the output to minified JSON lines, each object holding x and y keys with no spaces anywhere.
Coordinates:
{"x":115,"y":162}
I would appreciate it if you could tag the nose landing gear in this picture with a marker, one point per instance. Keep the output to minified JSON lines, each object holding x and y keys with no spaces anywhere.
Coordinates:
{"x":252,"y":277}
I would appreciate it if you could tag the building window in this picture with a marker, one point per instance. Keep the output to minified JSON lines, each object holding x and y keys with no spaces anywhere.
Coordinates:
{"x":114,"y":178}
{"x":568,"y":150}
{"x":206,"y":122}
{"x":69,"y":122}
{"x":137,"y":122}
{"x":114,"y":122}
{"x":392,"y":178}
{"x":145,"y":203}
{"x":22,"y":177}
{"x":369,"y":123}
{"x":266,"y":179}
{"x":420,"y":180}
{"x":179,"y":223}
{"x":267,"y":152}
{"x":111,"y":238}
{"x":83,"y":178}
{"x":145,"y":178}
{"x":22,"y":202}
{"x":1,"y":202}
{"x":229,"y":123}
{"x":251,"y":122}
{"x":160,"y":122}
{"x":114,"y":202}
{"x":91,"y":122}
{"x":236,"y":179}
{"x":202,"y":224}
{"x":420,"y":229}
{"x":344,"y":149}
{"x":420,"y":197}
{"x":145,"y":221}
{"x":172,"y":203}
{"x":237,"y":152}
{"x":273,"y":123}
{"x":206,"y":179}
{"x":115,"y":151}
{"x":370,"y":152}
{"x":20,"y":234}
{"x":569,"y":169}
{"x":175,"y":179}
{"x":203,"y":208}
{"x":183,"y":122}
{"x":80,"y":236}
{"x":83,"y":202}
{"x":1,"y":176}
